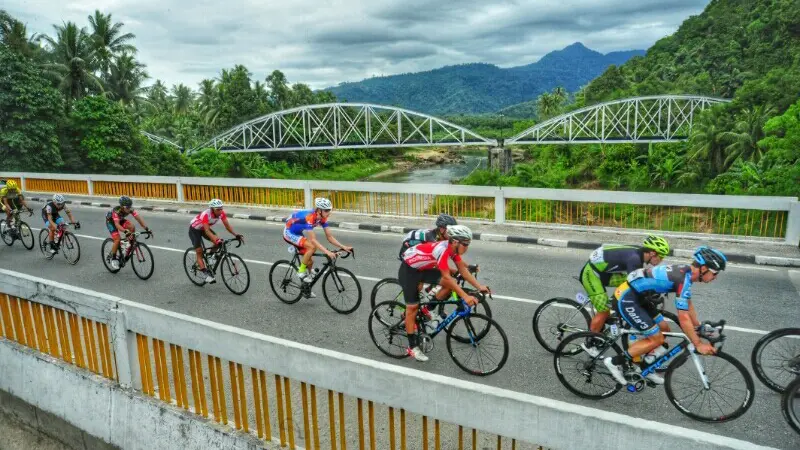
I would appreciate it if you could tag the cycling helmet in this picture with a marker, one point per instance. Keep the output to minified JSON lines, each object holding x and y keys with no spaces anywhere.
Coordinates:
{"x":445,"y":220}
{"x":125,"y":201}
{"x":657,"y":244}
{"x":59,"y":199}
{"x":12,"y":185}
{"x":215,"y":203}
{"x":323,"y":203}
{"x":713,"y":259}
{"x":459,"y":232}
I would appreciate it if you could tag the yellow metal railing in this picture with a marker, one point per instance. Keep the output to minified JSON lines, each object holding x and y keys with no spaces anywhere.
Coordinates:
{"x":245,"y":195}
{"x":406,"y":204}
{"x":268,"y":405}
{"x":653,"y":217}
{"x":139,"y":190}
{"x":57,"y":186}
{"x":61,"y":334}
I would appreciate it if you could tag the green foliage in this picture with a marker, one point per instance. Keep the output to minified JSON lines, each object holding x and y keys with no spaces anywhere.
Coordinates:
{"x":30,"y":111}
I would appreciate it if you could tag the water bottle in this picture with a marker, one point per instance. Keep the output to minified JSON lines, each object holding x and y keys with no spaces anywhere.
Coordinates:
{"x":314,"y":272}
{"x":614,"y":330}
{"x":212,"y":259}
{"x":654,"y":355}
{"x":125,"y":245}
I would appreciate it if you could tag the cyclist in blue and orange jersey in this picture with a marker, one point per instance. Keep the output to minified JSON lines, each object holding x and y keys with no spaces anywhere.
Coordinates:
{"x":299,"y":232}
{"x":642,"y":315}
{"x":116,"y":222}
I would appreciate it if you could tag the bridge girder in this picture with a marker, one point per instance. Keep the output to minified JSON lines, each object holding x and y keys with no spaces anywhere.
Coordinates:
{"x":160,"y":140}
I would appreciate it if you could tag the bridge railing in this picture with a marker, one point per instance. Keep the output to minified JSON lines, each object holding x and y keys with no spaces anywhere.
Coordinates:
{"x":283,"y":391}
{"x":752,"y":216}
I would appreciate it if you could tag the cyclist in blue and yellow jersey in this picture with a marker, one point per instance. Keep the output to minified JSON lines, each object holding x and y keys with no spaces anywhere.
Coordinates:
{"x":299,"y":232}
{"x":634,"y":305}
{"x":610,"y":264}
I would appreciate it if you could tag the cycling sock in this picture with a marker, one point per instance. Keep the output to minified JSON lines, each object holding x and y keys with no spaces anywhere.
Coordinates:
{"x":412,"y":340}
{"x":302,"y":268}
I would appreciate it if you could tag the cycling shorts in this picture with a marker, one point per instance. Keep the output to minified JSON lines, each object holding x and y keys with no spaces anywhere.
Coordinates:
{"x":113,"y":229}
{"x":298,"y":240}
{"x":594,"y":284}
{"x":58,"y":221}
{"x":643,"y":316}
{"x":410,"y":278}
{"x":197,"y":236}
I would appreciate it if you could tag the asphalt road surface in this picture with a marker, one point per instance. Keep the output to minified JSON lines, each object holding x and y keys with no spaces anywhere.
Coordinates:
{"x":753,"y":300}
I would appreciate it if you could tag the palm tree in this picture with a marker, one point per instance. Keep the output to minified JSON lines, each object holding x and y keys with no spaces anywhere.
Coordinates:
{"x":157,"y":96}
{"x":560,"y":93}
{"x":125,"y":79}
{"x":707,"y":141}
{"x":107,"y":40}
{"x":749,"y":129}
{"x":14,"y":35}
{"x":74,"y":61}
{"x":547,"y":105}
{"x":182,"y":98}
{"x":208,"y":102}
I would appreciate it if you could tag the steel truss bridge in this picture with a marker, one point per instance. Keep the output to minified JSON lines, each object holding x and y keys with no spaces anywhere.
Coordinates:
{"x":660,"y":118}
{"x":160,"y":140}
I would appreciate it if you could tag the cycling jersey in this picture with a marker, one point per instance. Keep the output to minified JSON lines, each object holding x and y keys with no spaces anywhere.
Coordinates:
{"x":51,"y":208}
{"x":675,"y":278}
{"x":117,"y":214}
{"x":206,"y":217}
{"x":417,"y":237}
{"x":430,"y":255}
{"x":304,"y":220}
{"x":10,"y":194}
{"x":607,"y":266}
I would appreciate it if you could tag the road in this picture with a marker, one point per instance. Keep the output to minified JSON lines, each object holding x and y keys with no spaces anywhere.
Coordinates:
{"x":753,"y":300}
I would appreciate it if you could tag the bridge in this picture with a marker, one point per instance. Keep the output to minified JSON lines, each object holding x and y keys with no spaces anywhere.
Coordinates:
{"x":160,"y":140}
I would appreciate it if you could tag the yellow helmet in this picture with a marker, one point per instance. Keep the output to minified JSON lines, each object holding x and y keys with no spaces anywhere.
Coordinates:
{"x":12,"y":185}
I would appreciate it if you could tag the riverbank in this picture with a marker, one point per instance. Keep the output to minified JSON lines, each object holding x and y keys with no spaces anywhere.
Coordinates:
{"x":419,"y":159}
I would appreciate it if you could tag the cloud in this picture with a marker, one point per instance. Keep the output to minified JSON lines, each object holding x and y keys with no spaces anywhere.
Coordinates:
{"x":323,"y":44}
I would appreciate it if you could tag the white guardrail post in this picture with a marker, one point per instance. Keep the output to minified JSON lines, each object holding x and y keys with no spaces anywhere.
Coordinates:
{"x":22,"y":183}
{"x":499,"y":206}
{"x":90,"y":185}
{"x":308,"y":195}
{"x":179,"y":190}
{"x":793,"y":224}
{"x":125,"y":350}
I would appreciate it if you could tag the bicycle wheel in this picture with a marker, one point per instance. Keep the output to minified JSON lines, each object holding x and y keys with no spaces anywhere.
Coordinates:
{"x":284,"y":283}
{"x":235,"y":274}
{"x":730,"y":387}
{"x":776,"y":358}
{"x":44,"y":238}
{"x":193,"y":271}
{"x":341,"y":290}
{"x":790,"y":404}
{"x":581,"y":374}
{"x":460,"y":334}
{"x":480,"y":355}
{"x":142,"y":261}
{"x":671,"y":341}
{"x":387,"y":328}
{"x":388,"y":289}
{"x":26,"y":235}
{"x":70,"y":247}
{"x":557,"y":318}
{"x":105,"y":255}
{"x":8,"y":238}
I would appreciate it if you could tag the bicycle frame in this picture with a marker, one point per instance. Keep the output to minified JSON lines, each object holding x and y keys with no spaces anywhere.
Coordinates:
{"x":466,"y":311}
{"x":330,"y":264}
{"x":132,"y":247}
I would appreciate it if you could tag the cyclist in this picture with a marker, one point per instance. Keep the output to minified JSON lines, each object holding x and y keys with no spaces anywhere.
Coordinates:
{"x":428,"y":263}
{"x":52,"y":218}
{"x":609,"y":265}
{"x":116,"y":223}
{"x":12,"y":198}
{"x":299,"y":232}
{"x":200,"y":228}
{"x":435,"y":235}
{"x":634,"y":307}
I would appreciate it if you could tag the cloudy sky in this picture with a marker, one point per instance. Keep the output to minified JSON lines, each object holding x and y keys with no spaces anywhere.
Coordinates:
{"x":322,"y":43}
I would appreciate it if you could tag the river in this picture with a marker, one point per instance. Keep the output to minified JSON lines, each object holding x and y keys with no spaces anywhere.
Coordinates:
{"x":438,"y":174}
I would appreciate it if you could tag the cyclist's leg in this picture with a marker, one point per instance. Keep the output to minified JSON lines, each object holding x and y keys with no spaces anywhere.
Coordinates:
{"x":115,"y":236}
{"x":640,"y":319}
{"x":593,"y":285}
{"x":409,"y":279}
{"x":196,"y":237}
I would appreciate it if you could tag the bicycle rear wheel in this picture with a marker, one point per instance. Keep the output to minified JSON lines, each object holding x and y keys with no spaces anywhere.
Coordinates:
{"x":70,"y":247}
{"x":193,"y":271}
{"x":105,"y":255}
{"x":235,"y":274}
{"x":8,"y":238}
{"x":387,"y":328}
{"x":776,"y":358}
{"x":790,"y":404}
{"x":284,"y":283}
{"x":557,"y":318}
{"x":730,"y":393}
{"x":482,"y":355}
{"x":582,"y":374}
{"x":44,"y":241}
{"x":26,"y":235}
{"x":341,"y":290}
{"x":388,"y":289}
{"x":142,"y":261}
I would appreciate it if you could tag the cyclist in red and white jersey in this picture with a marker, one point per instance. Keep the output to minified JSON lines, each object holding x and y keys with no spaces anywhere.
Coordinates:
{"x":429,"y":263}
{"x":200,"y":228}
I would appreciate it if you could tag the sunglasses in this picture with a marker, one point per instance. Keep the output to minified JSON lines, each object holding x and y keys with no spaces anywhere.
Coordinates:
{"x":464,"y":244}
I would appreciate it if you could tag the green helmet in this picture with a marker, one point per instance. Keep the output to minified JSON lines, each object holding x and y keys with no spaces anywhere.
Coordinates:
{"x":657,"y":244}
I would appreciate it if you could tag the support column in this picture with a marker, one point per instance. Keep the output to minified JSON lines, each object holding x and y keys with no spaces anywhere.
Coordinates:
{"x":125,"y":351}
{"x":308,"y":196}
{"x":90,"y":186}
{"x":179,"y":190}
{"x":793,"y":224}
{"x":499,"y":206}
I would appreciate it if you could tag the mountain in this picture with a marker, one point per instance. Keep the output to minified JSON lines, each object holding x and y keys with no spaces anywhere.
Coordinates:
{"x":482,"y":88}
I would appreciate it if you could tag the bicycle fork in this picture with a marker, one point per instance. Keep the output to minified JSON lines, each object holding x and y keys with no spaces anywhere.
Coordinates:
{"x":699,"y":366}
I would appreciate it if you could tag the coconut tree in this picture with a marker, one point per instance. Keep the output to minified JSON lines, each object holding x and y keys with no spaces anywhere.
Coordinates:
{"x":108,"y":41}
{"x":73,"y":61}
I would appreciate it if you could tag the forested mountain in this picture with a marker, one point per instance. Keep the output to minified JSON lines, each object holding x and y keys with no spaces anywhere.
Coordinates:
{"x":481,"y":88}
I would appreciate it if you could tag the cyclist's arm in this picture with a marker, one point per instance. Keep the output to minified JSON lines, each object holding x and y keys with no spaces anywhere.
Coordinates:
{"x":50,"y":219}
{"x":688,"y":321}
{"x":141,"y":222}
{"x":209,"y":233}
{"x":448,"y":282}
{"x":332,"y":239}
{"x":463,"y":269}
{"x":228,"y":226}
{"x":69,"y":214}
{"x":119,"y":227}
{"x":6,"y":204}
{"x":22,"y":201}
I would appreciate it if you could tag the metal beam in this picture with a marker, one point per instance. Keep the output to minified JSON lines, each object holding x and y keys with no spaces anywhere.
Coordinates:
{"x":160,"y":140}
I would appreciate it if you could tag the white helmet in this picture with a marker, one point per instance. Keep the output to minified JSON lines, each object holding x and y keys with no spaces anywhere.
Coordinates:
{"x":215,"y":203}
{"x":323,"y":203}
{"x":59,"y":199}
{"x":459,"y":232}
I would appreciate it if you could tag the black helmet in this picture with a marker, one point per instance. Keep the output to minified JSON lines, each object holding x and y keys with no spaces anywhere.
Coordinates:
{"x":713,"y":259}
{"x":125,"y":201}
{"x":444,"y":220}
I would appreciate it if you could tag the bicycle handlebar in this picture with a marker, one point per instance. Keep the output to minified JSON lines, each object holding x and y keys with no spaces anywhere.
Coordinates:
{"x":708,"y":329}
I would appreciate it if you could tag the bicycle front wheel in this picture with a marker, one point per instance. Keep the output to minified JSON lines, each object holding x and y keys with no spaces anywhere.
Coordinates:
{"x":8,"y":238}
{"x":388,"y":289}
{"x":558,"y":318}
{"x":70,"y":247}
{"x":284,"y":283}
{"x":235,"y":274}
{"x":584,"y":375}
{"x":776,"y":358}
{"x":730,"y":387}
{"x":790,"y":404}
{"x":106,"y":256}
{"x":341,"y":290}
{"x":483,"y":355}
{"x":44,"y":239}
{"x":26,"y":235}
{"x":193,"y":271}
{"x":387,"y":328}
{"x":142,"y":261}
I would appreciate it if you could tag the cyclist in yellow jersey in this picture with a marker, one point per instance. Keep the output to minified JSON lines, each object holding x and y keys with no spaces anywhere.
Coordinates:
{"x":12,"y":199}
